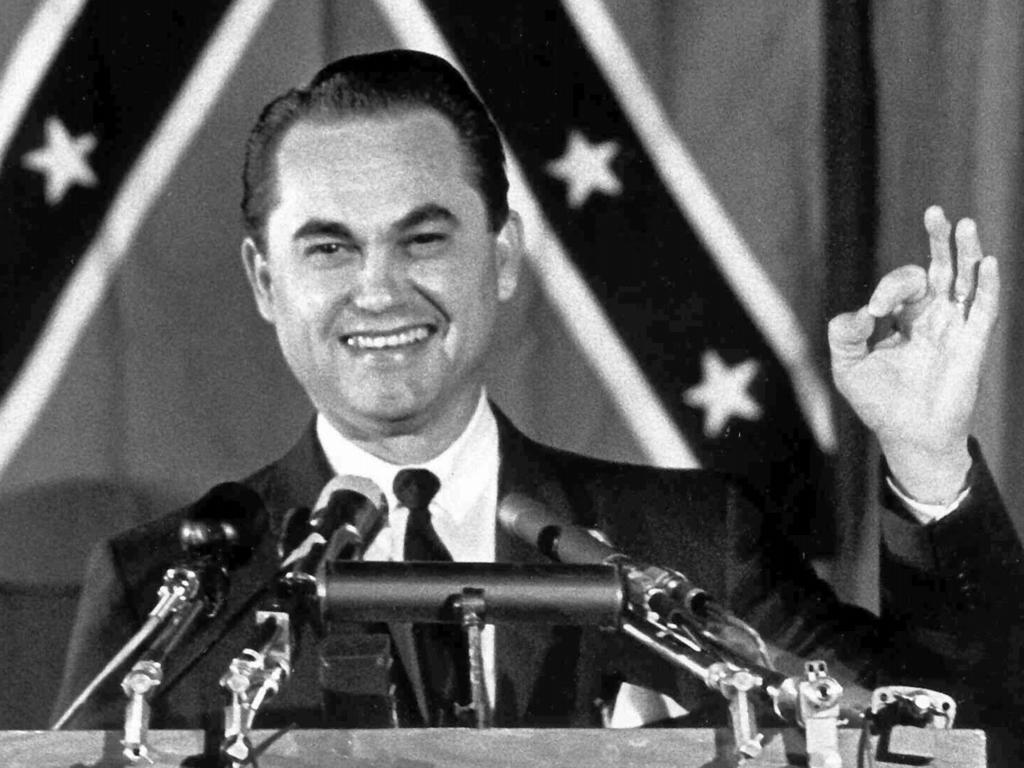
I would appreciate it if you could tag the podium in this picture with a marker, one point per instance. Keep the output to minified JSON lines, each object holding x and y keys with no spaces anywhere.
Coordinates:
{"x":467,"y":748}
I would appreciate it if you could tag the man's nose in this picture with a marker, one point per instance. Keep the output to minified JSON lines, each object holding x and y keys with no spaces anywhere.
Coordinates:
{"x":379,"y":283}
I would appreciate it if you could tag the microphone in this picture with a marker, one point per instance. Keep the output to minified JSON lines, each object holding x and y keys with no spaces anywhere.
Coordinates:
{"x":362,"y":509}
{"x":666,"y":592}
{"x":650,"y":589}
{"x":220,"y":531}
{"x":349,"y":513}
{"x":226,"y":524}
{"x":345,"y":518}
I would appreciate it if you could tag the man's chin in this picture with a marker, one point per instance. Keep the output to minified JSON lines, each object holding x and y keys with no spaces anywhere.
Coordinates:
{"x":413,"y":414}
{"x":400,"y":422}
{"x":388,"y":419}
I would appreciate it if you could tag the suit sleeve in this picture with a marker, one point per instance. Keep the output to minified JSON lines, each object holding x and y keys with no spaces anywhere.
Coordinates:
{"x":104,"y":623}
{"x":951,"y":601}
{"x":954,"y":592}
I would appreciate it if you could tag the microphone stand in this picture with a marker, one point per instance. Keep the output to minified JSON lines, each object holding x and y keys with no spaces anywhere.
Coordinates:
{"x":471,"y":608}
{"x":180,"y":587}
{"x":146,"y":675}
{"x":253,"y":677}
{"x":219,"y":531}
{"x":684,"y":625}
{"x":258,"y":672}
{"x":347,"y":519}
{"x":811,"y":702}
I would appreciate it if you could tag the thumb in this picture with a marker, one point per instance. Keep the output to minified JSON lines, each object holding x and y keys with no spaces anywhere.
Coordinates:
{"x":848,"y":336}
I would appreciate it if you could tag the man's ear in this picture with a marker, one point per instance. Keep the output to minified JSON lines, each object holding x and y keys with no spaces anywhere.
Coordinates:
{"x":509,"y":254}
{"x":258,"y":271}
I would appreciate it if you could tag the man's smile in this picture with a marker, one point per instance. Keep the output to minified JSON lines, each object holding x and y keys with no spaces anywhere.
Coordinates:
{"x":394,"y":339}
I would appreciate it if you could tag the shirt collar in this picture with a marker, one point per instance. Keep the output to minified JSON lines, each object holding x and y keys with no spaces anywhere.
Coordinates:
{"x":459,"y":467}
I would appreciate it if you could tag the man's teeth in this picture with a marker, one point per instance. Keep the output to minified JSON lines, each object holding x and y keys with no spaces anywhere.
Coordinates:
{"x":388,"y":342}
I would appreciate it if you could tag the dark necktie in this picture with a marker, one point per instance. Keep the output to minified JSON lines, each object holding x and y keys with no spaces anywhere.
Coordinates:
{"x":415,"y":489}
{"x":441,"y":648}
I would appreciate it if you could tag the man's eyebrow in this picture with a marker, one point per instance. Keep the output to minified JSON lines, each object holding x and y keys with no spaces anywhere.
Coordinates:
{"x":321,"y":228}
{"x":424,"y":214}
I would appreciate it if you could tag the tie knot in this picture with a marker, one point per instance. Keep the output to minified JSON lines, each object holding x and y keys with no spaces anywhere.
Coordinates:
{"x":415,"y":488}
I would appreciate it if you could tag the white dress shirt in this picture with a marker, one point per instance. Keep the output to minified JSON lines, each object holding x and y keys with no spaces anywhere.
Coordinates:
{"x":463,"y":511}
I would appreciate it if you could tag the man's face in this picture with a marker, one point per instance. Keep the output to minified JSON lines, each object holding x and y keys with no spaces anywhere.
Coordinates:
{"x":381,"y":275}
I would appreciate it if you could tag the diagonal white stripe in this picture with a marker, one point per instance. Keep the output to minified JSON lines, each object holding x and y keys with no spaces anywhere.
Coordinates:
{"x":652,"y":426}
{"x":38,"y":43}
{"x":89,"y":282}
{"x":581,"y":314}
{"x":695,"y":198}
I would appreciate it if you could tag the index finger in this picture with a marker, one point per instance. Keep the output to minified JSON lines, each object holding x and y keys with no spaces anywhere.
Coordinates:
{"x":903,"y":286}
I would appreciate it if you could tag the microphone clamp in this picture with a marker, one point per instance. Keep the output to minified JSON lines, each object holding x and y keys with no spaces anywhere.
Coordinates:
{"x":180,"y":586}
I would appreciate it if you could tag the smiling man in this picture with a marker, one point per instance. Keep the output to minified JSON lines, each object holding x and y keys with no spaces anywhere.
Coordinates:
{"x":381,"y":273}
{"x":380,"y":247}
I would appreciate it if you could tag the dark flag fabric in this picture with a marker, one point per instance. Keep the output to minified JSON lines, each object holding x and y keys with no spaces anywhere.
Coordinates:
{"x":85,"y":149}
{"x":683,"y":298}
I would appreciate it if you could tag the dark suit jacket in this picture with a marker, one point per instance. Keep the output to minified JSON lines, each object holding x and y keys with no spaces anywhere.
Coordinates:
{"x":951,"y":597}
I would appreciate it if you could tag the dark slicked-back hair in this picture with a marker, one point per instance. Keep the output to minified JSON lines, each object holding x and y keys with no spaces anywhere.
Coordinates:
{"x":389,"y":82}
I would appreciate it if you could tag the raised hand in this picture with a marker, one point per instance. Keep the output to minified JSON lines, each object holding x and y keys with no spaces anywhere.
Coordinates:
{"x":916,"y":388}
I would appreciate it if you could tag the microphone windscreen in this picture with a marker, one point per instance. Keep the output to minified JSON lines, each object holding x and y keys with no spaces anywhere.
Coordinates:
{"x":524,"y":517}
{"x":362,"y":485}
{"x":227,"y":522}
{"x":583,"y":546}
{"x":531,"y":521}
{"x":354,"y":503}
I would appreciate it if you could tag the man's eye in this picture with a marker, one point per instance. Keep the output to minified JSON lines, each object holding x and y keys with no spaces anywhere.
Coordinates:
{"x":327,"y":248}
{"x":424,"y":243}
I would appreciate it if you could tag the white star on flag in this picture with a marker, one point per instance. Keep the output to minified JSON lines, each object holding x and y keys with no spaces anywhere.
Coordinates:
{"x":722,"y":393}
{"x":586,"y":168}
{"x":62,"y":160}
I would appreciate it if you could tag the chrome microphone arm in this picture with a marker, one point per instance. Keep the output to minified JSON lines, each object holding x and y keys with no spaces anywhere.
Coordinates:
{"x":180,"y":586}
{"x":811,"y":702}
{"x":182,"y":600}
{"x":731,"y":681}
